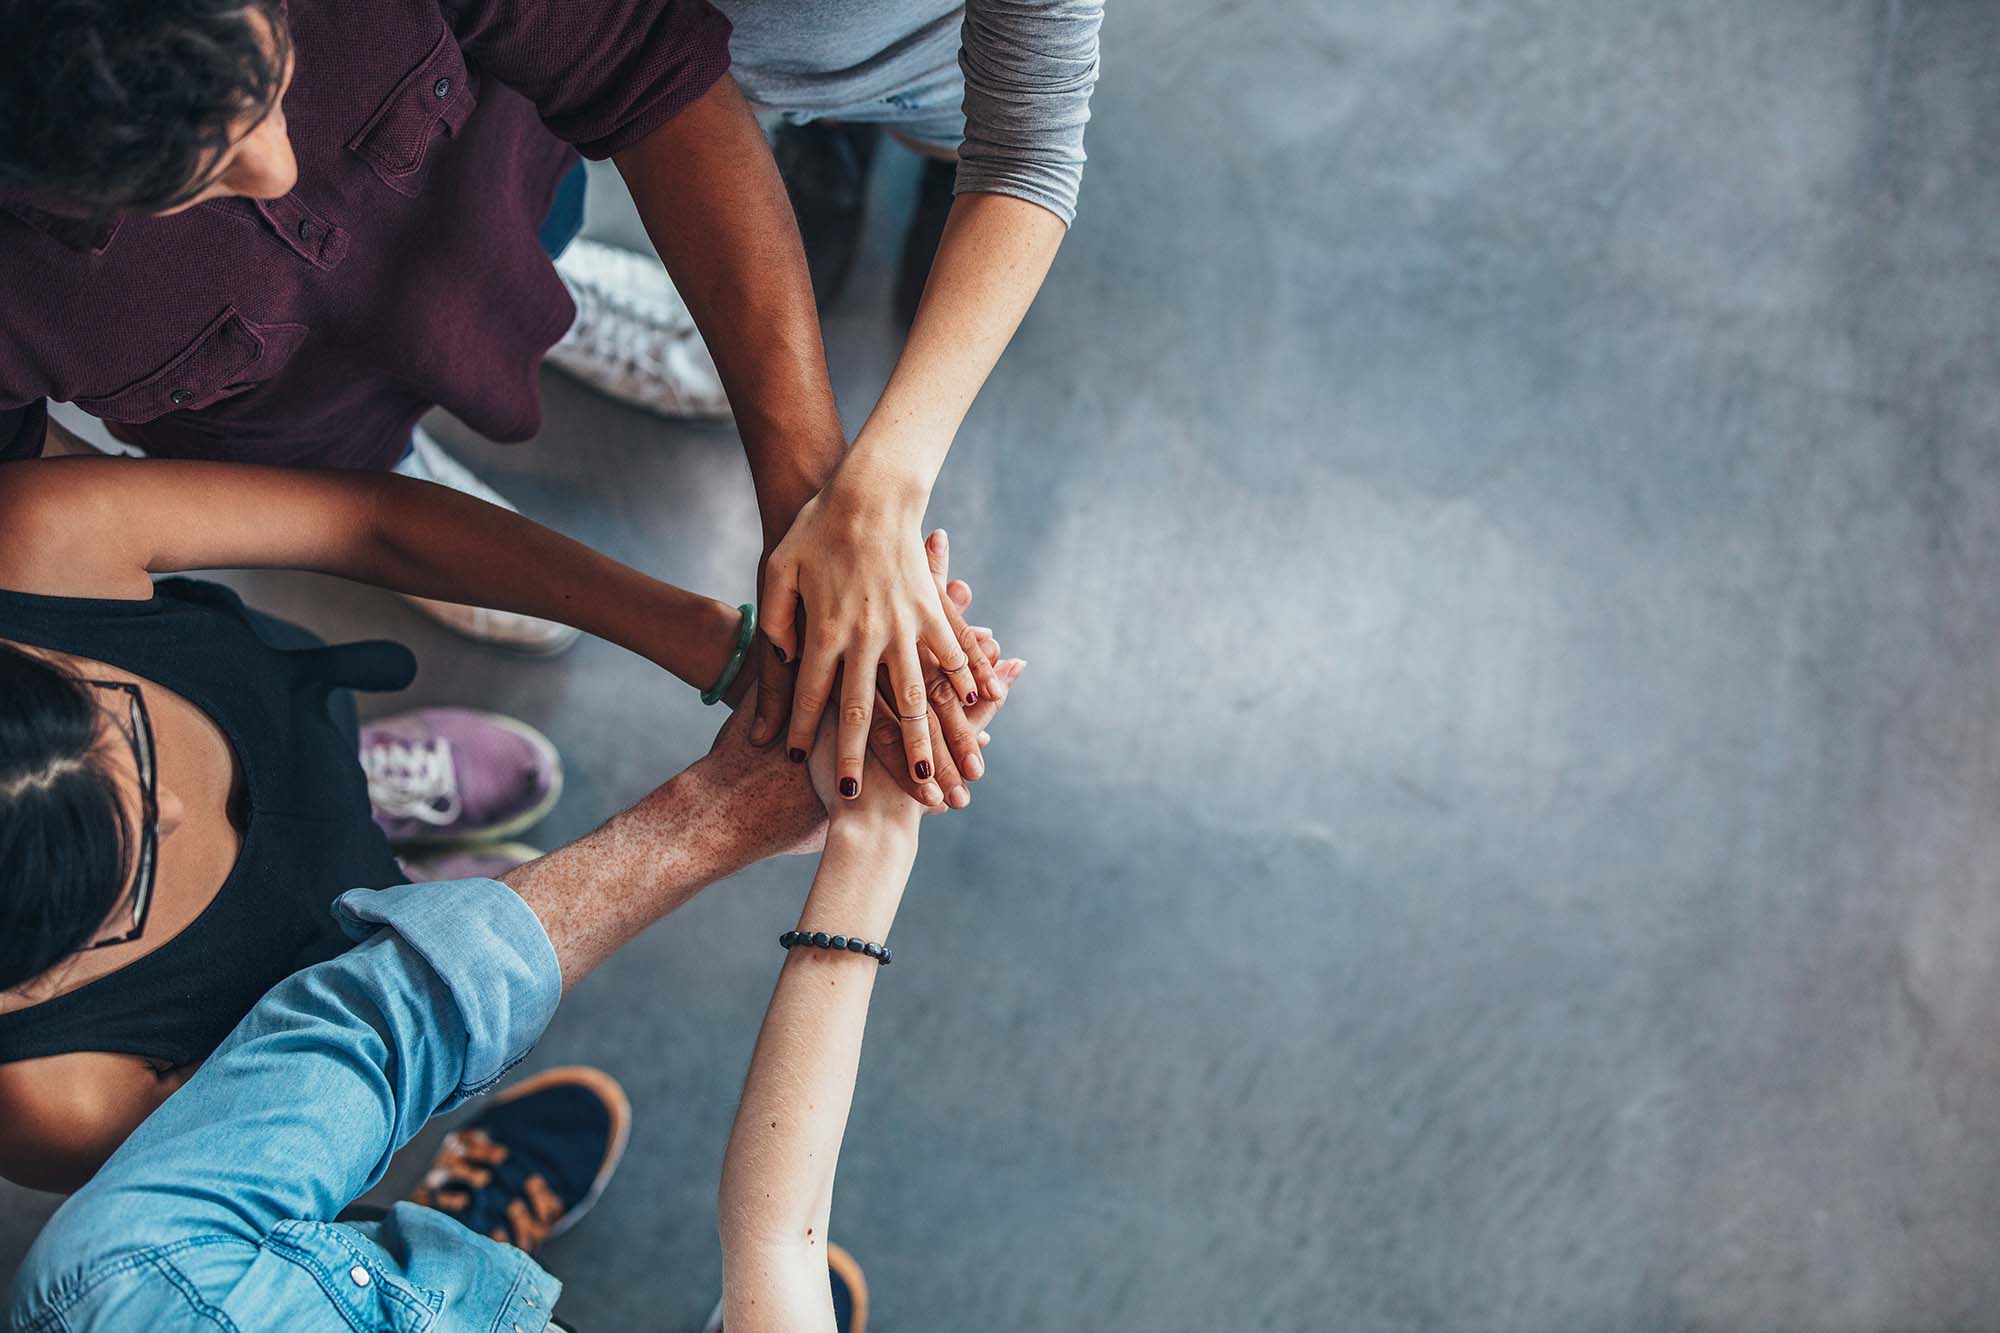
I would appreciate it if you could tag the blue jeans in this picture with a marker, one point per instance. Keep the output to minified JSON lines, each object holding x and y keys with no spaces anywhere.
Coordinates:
{"x":218,"y":1212}
{"x":565,"y":217}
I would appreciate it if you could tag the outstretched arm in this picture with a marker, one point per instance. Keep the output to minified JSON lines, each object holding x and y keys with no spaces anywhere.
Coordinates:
{"x":852,"y":560}
{"x":777,"y":1176}
{"x":102,"y":527}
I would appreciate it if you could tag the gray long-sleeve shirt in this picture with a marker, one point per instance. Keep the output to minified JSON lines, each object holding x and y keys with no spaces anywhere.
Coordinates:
{"x":1021,"y":70}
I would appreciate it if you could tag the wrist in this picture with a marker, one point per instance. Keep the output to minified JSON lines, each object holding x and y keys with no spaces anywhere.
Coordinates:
{"x":790,"y":474}
{"x":884,"y":488}
{"x":697,"y":644}
{"x":872,"y":839}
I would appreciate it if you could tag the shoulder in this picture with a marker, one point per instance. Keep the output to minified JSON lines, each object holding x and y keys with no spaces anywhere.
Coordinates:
{"x":67,"y":1113}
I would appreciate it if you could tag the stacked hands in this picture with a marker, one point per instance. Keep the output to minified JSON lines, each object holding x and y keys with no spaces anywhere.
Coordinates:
{"x":916,"y":714}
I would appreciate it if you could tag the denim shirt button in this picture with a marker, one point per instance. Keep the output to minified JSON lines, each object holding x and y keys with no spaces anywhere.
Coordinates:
{"x":358,"y":1275}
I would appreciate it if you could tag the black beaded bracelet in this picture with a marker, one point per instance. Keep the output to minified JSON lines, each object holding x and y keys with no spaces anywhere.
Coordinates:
{"x":819,"y":939}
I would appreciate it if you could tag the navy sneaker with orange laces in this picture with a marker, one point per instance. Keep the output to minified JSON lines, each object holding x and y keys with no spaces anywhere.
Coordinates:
{"x":535,"y":1160}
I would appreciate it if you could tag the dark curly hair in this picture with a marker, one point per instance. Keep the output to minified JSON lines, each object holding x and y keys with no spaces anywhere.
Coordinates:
{"x":66,"y":847}
{"x":121,"y":104}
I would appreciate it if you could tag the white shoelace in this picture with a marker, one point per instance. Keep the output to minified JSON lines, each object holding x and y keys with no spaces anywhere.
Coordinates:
{"x":413,"y":780}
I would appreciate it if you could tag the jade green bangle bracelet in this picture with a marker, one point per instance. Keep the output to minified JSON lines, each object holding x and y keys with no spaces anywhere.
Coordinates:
{"x":746,"y":632}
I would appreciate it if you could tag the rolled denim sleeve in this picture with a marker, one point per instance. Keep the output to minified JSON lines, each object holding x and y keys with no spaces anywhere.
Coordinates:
{"x":300,"y":1109}
{"x":1030,"y":68}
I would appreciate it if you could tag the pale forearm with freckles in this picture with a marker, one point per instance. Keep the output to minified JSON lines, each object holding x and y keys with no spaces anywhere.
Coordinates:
{"x":777,"y":1177}
{"x":990,"y":264}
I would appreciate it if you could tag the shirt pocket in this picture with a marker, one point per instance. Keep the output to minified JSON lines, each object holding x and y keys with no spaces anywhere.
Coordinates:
{"x":431,"y":104}
{"x":231,"y":356}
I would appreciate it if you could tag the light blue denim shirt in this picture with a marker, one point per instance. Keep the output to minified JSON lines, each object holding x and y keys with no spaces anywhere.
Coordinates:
{"x":218,"y":1211}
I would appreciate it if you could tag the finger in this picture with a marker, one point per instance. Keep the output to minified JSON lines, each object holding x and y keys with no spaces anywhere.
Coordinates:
{"x":982,"y":713}
{"x":776,"y":680}
{"x":949,"y":780}
{"x":810,"y":698}
{"x":956,"y":794}
{"x":913,"y":713}
{"x":956,"y":733}
{"x":885,"y":742}
{"x":939,"y":553}
{"x":778,"y":616}
{"x":967,"y":667}
{"x":857,"y":708}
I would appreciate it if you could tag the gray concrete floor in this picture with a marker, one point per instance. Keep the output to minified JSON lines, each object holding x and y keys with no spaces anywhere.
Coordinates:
{"x":1503,"y":505}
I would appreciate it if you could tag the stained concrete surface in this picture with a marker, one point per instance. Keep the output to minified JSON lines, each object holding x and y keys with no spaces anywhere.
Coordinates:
{"x":1501,"y":502}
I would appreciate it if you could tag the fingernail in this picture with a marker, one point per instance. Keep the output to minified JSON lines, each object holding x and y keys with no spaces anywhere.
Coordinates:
{"x":796,"y":755}
{"x":923,"y":769}
{"x":971,"y":698}
{"x":975,"y":768}
{"x":931,"y":795}
{"x":780,"y":652}
{"x":960,"y":798}
{"x":985,"y":738}
{"x":849,"y":788}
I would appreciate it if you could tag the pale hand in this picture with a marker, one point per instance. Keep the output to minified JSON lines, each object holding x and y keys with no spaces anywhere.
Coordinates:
{"x":855,"y":570}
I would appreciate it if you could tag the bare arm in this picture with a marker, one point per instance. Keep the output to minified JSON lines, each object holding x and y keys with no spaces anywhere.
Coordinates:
{"x":713,"y":204}
{"x":735,"y":806}
{"x":990,"y":265}
{"x":101,"y":527}
{"x":777,"y":1177}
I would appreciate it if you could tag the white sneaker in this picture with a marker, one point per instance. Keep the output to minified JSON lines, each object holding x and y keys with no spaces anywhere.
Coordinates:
{"x":427,"y":461}
{"x":634,"y":339}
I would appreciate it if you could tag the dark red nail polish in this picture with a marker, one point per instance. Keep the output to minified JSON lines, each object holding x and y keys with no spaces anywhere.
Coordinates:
{"x":971,"y":697}
{"x":780,"y":652}
{"x":796,"y":755}
{"x":923,"y":770}
{"x":849,"y":788}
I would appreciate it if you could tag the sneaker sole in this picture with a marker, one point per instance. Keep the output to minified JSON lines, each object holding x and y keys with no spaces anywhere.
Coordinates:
{"x":428,"y":608}
{"x":520,"y":823}
{"x":613,"y":1096}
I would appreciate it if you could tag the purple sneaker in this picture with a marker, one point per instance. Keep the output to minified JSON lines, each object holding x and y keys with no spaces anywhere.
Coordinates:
{"x":450,"y":776}
{"x":489,"y":861}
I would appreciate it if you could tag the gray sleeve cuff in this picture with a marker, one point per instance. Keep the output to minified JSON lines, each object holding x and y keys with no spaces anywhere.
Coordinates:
{"x":1030,"y":67}
{"x":490,"y":951}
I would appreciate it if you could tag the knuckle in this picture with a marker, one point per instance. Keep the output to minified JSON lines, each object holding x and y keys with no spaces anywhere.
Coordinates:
{"x":809,"y":700}
{"x":855,"y":715}
{"x":943,"y":694}
{"x":914,"y":695}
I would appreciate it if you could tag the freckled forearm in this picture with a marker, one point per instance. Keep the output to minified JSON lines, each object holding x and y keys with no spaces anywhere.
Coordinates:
{"x":601,"y":890}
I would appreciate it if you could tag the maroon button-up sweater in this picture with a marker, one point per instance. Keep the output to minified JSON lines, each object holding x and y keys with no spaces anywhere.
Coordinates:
{"x":403,"y":272}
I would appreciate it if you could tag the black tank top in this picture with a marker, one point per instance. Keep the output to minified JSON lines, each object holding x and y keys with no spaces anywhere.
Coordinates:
{"x":279,"y":695}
